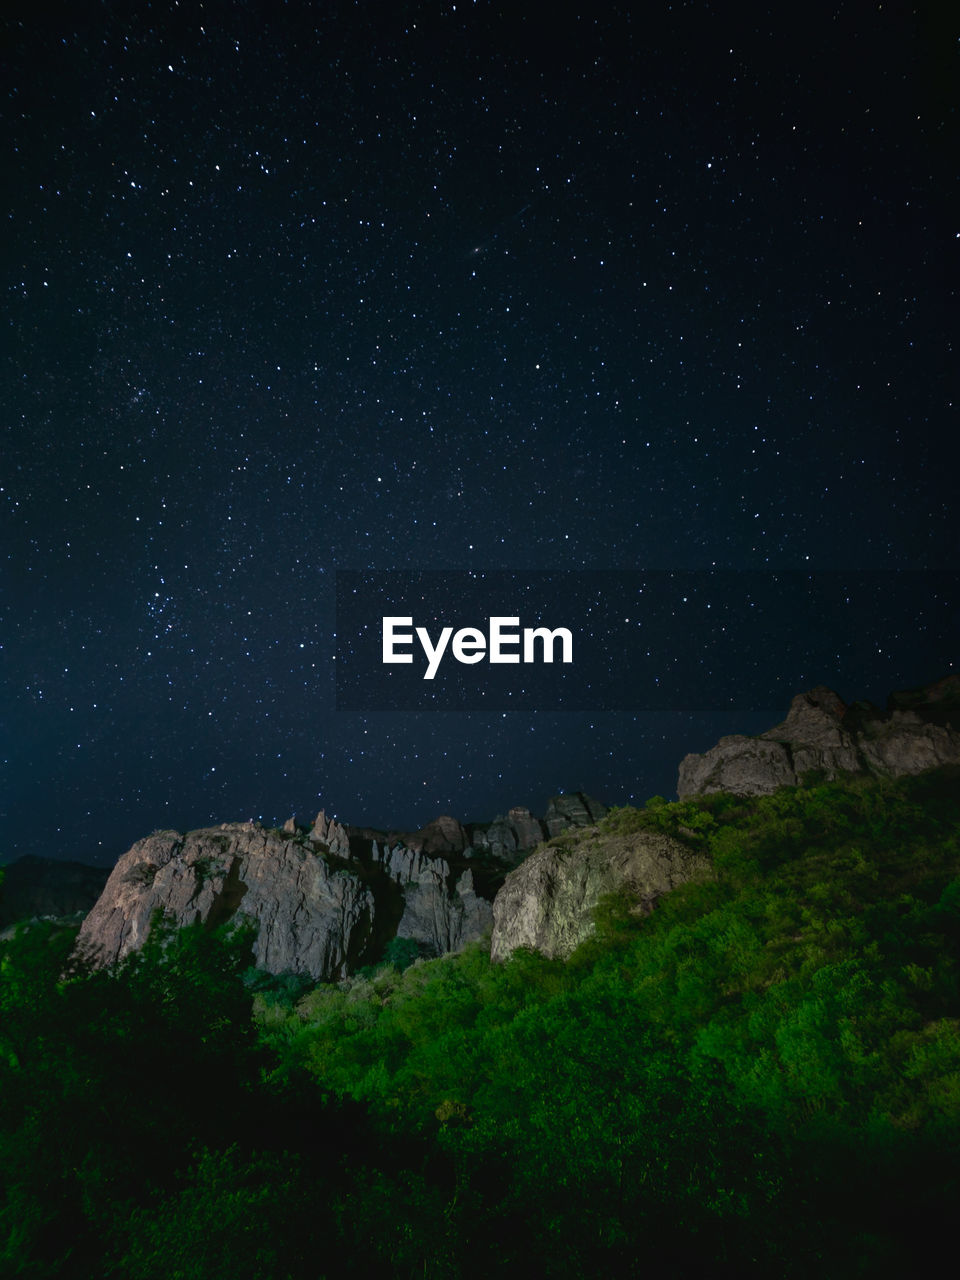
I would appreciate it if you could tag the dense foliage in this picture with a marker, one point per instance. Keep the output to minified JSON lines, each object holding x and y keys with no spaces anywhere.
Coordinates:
{"x":761,"y":1077}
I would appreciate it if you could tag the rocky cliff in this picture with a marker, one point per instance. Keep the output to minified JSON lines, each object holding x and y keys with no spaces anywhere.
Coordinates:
{"x":919,"y":729}
{"x":547,"y":903}
{"x":326,"y":898}
{"x":312,"y":917}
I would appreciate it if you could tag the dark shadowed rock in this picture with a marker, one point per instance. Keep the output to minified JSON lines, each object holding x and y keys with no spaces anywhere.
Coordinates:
{"x":439,"y":912}
{"x":442,"y":835}
{"x":574,"y":809}
{"x":498,"y":840}
{"x":937,"y":703}
{"x":527,"y":829}
{"x":507,"y":837}
{"x":821,"y":733}
{"x":34,"y":887}
{"x":905,"y":743}
{"x":548,"y":901}
{"x":746,"y":766}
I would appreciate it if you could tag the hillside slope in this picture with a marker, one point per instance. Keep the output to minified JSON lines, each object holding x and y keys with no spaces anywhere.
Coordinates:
{"x":758,"y":1076}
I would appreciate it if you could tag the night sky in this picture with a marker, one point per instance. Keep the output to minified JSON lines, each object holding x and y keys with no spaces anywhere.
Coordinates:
{"x":297,"y":288}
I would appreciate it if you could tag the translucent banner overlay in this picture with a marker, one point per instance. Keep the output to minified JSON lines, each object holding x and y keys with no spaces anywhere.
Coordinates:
{"x":639,"y":641}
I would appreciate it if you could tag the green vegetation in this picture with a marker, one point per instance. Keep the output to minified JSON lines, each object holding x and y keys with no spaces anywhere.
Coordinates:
{"x":762,"y":1077}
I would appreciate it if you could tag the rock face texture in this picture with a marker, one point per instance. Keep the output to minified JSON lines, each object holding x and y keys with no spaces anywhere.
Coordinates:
{"x":920,"y":729}
{"x":325,"y":898}
{"x":505,"y":837}
{"x":547,"y":902}
{"x":311,"y":918}
{"x":440,"y":911}
{"x":328,"y":834}
{"x":442,"y":835}
{"x":572,"y":810}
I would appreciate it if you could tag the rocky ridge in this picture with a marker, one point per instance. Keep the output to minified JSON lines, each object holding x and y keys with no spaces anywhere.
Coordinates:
{"x":326,"y":898}
{"x":920,"y":729}
{"x":547,"y":902}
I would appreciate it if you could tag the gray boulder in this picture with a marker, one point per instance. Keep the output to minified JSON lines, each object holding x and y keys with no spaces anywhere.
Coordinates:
{"x":746,"y":766}
{"x":547,"y":902}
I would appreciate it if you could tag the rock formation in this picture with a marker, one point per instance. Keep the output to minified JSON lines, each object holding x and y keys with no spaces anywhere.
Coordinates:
{"x":325,"y":899}
{"x":547,"y":903}
{"x":311,"y":918}
{"x":329,"y":835}
{"x":442,"y":835}
{"x":439,"y":913}
{"x":328,"y":898}
{"x":920,"y":729}
{"x":572,"y":810}
{"x":520,"y":830}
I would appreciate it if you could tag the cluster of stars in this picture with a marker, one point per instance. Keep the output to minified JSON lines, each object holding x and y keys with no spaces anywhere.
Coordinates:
{"x":313,"y":294}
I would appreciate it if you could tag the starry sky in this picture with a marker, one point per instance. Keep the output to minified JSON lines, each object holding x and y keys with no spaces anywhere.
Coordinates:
{"x":299,"y":288}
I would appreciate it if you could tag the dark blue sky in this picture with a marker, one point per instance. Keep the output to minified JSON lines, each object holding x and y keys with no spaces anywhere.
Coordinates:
{"x":294,"y":288}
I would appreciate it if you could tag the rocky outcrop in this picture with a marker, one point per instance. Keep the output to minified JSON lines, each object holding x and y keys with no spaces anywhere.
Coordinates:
{"x":326,"y":898}
{"x":920,"y":729}
{"x":547,"y":903}
{"x":507,"y":837}
{"x":319,"y":906}
{"x":442,"y":835}
{"x":746,"y":766}
{"x":937,"y":703}
{"x":572,"y":810}
{"x":310,"y":917}
{"x":519,"y":831}
{"x":440,"y":912}
{"x":328,"y":834}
